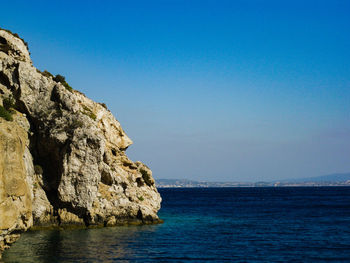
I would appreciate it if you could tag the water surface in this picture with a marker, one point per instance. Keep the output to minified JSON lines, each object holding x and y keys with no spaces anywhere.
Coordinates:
{"x":212,"y":224}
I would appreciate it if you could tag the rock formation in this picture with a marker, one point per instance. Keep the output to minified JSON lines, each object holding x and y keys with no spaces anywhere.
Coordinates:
{"x":63,"y":160}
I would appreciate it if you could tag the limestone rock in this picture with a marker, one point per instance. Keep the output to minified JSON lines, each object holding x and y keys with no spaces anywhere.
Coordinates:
{"x":73,"y":163}
{"x":15,"y":196}
{"x":14,"y":46}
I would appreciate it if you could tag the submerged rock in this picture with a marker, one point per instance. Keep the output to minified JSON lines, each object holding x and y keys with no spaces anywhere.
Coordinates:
{"x":63,"y":160}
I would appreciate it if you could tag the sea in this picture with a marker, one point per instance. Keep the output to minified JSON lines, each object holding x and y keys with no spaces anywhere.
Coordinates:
{"x":261,"y":224}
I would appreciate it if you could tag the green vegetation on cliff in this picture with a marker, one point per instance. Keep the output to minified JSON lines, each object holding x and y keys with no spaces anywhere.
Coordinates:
{"x":62,"y":80}
{"x":5,"y":114}
{"x":6,"y":110}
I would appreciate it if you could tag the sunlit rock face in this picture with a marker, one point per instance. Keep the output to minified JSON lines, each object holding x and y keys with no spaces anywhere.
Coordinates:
{"x":15,"y":194}
{"x":63,"y":160}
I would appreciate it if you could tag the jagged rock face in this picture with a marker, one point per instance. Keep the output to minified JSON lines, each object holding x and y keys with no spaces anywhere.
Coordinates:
{"x":77,"y":169}
{"x":15,"y":195}
{"x":14,"y":46}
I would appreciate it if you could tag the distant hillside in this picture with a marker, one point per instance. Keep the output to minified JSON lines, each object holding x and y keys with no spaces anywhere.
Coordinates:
{"x":338,"y":177}
{"x":180,"y":183}
{"x":175,"y":181}
{"x":190,"y":183}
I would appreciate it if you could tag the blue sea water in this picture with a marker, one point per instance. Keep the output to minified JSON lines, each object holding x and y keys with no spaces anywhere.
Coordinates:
{"x":296,"y":224}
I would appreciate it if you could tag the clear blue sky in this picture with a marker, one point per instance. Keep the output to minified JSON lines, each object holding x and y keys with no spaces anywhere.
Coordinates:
{"x":207,"y":90}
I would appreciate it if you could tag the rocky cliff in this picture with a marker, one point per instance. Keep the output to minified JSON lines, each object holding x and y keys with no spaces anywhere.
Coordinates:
{"x":62,"y":155}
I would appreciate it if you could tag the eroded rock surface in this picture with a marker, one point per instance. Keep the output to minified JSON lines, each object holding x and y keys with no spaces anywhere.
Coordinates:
{"x":15,"y":195}
{"x":66,"y":153}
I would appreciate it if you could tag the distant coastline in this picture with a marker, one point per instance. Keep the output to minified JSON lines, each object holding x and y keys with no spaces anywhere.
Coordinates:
{"x":325,"y":180}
